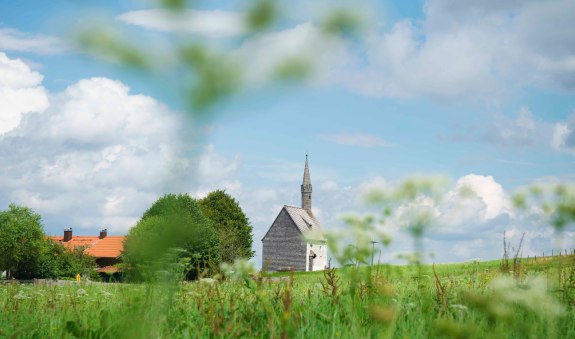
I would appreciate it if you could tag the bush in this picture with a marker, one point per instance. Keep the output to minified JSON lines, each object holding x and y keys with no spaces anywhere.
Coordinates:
{"x":173,"y":236}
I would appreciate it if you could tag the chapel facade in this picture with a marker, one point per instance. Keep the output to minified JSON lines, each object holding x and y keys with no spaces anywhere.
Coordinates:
{"x":295,"y":239}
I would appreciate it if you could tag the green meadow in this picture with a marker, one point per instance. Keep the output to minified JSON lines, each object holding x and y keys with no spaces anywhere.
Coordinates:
{"x":534,"y":299}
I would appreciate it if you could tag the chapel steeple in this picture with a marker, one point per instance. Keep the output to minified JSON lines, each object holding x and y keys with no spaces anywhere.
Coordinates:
{"x":306,"y":189}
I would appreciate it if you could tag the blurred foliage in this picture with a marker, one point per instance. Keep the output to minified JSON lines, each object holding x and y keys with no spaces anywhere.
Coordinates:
{"x":212,"y":76}
{"x":175,"y":5}
{"x":110,"y":45}
{"x":293,"y":69}
{"x":261,"y":15}
{"x":207,"y":71}
{"x":342,"y":22}
{"x":171,"y":233}
{"x":555,"y":201}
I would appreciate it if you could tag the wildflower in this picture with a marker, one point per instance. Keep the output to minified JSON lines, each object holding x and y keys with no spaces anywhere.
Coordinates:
{"x":208,"y":281}
{"x":20,"y":295}
{"x":81,"y":292}
{"x":459,"y":307}
{"x":531,"y":295}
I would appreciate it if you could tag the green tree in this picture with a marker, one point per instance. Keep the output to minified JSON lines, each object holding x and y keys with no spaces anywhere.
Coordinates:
{"x":57,"y":261}
{"x":172,"y":229}
{"x":21,"y":242}
{"x":232,"y":225}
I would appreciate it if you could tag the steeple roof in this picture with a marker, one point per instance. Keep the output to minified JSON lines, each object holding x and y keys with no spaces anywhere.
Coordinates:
{"x":306,"y":179}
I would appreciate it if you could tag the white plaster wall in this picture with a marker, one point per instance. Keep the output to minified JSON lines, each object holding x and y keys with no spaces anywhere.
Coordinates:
{"x":320,"y":262}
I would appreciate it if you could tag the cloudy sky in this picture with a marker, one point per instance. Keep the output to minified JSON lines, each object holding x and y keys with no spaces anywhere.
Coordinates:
{"x":481,"y":92}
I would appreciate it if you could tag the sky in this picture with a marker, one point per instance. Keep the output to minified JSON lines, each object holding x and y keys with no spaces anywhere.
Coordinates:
{"x":479,"y":92}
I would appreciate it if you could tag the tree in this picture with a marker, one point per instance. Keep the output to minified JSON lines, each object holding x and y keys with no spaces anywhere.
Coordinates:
{"x":21,"y":242}
{"x":232,"y":225}
{"x":173,"y":228}
{"x":57,"y":261}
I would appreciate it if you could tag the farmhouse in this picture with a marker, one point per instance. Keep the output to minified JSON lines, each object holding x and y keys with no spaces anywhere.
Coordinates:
{"x":104,"y":248}
{"x":295,"y":240}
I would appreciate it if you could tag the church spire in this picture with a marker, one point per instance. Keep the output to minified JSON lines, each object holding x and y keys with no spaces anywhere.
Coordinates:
{"x":306,"y":189}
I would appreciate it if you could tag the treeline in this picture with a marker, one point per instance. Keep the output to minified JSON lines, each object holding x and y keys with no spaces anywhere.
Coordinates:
{"x":176,"y":235}
{"x":180,"y":235}
{"x":28,"y":253}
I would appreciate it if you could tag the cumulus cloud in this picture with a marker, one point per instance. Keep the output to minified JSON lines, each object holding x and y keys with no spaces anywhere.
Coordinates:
{"x":95,"y":154}
{"x":465,"y":222}
{"x":13,"y":40}
{"x":467,"y":49}
{"x":356,"y":139}
{"x":474,"y":199}
{"x":458,"y":50}
{"x":21,"y":91}
{"x":206,"y":23}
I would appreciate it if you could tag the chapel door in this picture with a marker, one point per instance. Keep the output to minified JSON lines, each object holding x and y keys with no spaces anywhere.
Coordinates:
{"x":312,"y":255}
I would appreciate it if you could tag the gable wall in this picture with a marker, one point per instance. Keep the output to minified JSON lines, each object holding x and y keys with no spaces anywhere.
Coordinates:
{"x":283,"y":247}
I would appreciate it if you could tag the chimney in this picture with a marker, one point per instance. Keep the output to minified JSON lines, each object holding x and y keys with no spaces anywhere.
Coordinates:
{"x":103,"y":233}
{"x":67,"y":234}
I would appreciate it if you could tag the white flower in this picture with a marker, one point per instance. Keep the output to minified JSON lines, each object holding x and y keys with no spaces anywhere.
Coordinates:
{"x":20,"y":295}
{"x":459,"y":307}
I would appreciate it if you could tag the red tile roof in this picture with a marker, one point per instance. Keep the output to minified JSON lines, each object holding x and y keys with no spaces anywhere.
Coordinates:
{"x":109,"y":247}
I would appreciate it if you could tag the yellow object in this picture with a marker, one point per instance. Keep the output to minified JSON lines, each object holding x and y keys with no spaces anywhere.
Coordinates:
{"x":78,"y":277}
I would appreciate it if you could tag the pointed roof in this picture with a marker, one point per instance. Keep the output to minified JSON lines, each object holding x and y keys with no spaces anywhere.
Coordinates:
{"x":306,"y":179}
{"x":306,"y":222}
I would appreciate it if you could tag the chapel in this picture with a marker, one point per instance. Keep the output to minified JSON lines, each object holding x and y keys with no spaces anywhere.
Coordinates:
{"x":295,"y":240}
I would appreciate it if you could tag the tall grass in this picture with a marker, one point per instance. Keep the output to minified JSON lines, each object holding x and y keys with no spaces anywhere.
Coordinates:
{"x":457,"y":300}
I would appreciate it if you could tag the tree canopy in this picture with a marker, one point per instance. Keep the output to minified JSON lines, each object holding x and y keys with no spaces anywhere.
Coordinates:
{"x":21,"y":241}
{"x":232,"y":225}
{"x":173,"y":228}
{"x":27,"y":252}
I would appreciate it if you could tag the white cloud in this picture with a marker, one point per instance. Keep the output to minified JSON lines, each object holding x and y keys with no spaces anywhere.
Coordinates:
{"x":467,"y":50}
{"x":21,"y":91}
{"x":457,"y":51}
{"x":263,"y":54}
{"x":356,"y":139}
{"x":519,"y":132}
{"x":213,"y":167}
{"x":97,"y":155}
{"x":208,"y":23}
{"x":328,"y":185}
{"x":563,"y":138}
{"x":466,"y":222}
{"x":475,"y":198}
{"x":13,"y":40}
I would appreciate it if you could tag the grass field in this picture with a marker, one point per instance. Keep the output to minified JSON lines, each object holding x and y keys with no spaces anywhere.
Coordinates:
{"x":457,"y":300}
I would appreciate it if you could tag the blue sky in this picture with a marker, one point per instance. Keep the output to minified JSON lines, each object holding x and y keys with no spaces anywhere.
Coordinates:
{"x":480,"y":92}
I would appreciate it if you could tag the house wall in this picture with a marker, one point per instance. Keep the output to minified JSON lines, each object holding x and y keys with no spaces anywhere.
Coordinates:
{"x":283,"y":246}
{"x":320,"y":261}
